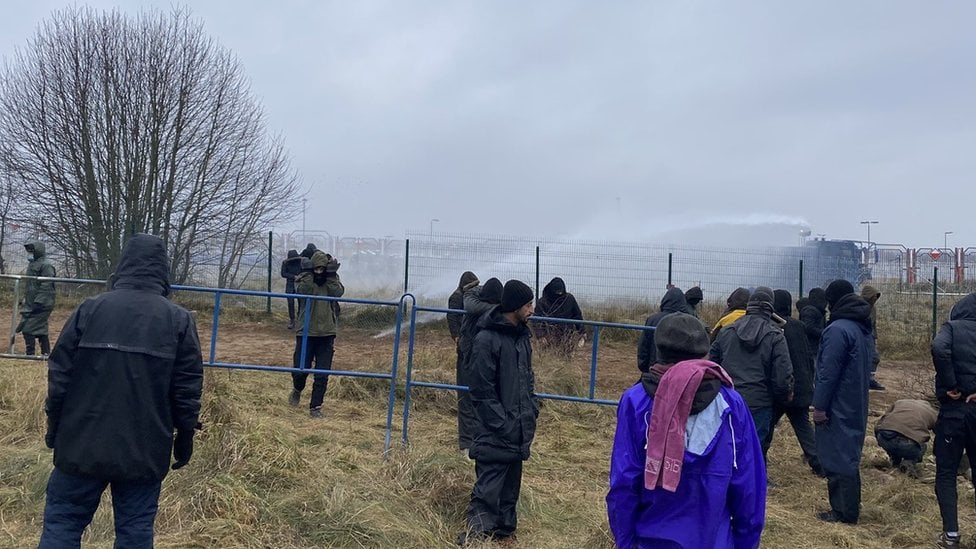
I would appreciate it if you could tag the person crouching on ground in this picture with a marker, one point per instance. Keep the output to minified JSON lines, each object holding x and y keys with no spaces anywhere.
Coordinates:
{"x":686,"y":468}
{"x":903,"y":431}
{"x":502,"y":387}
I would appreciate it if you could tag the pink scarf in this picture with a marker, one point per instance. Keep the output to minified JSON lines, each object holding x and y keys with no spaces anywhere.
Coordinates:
{"x":666,"y":430}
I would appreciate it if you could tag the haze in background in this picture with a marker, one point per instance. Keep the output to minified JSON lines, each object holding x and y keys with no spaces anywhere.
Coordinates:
{"x":612,"y":120}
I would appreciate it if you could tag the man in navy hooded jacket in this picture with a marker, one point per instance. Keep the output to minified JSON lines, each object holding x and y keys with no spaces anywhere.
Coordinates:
{"x":125,"y":374}
{"x":840,"y":398}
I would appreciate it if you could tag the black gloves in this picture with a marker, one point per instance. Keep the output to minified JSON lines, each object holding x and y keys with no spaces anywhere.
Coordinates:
{"x":306,"y":264}
{"x":332,"y":267}
{"x":183,"y":446}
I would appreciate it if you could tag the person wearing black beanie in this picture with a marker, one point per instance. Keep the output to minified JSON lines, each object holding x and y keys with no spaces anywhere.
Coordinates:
{"x":840,"y":399}
{"x":515,"y":295}
{"x":502,"y":388}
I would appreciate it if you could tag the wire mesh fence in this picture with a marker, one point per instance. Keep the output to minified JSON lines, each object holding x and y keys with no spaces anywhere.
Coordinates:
{"x":613,"y":281}
{"x":624,"y":281}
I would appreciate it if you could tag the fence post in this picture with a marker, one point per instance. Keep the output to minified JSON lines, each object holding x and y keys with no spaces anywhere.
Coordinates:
{"x":935,"y":300}
{"x":537,"y":273}
{"x":13,"y":314}
{"x":669,"y":268}
{"x":270,"y":245}
{"x":406,"y":265}
{"x":801,"y":281}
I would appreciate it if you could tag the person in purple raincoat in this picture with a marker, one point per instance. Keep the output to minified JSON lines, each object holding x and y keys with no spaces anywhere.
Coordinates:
{"x":709,"y":490}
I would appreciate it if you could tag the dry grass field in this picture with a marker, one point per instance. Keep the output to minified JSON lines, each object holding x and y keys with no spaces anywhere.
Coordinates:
{"x":266,"y":475}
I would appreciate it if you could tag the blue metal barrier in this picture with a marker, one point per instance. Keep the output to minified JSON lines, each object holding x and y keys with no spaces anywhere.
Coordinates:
{"x":218,"y":292}
{"x":591,"y":399}
{"x":214,"y":331}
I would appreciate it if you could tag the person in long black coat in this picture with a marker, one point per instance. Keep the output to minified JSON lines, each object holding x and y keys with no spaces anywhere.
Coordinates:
{"x":556,"y":302}
{"x":840,"y":398}
{"x":672,"y":302}
{"x":798,"y":409}
{"x":125,"y":374}
{"x":456,"y":303}
{"x":503,"y":393}
{"x":954,"y":358}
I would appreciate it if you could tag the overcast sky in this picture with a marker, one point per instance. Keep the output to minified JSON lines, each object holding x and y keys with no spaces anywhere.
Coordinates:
{"x":611,"y":119}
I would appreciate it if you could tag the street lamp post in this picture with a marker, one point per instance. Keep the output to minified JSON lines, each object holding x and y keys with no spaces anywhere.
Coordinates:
{"x":304,"y":203}
{"x":869,"y":223}
{"x":945,"y":239}
{"x":432,"y":221}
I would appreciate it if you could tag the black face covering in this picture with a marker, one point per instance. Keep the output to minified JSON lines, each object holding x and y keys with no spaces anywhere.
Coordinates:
{"x":319,"y":278}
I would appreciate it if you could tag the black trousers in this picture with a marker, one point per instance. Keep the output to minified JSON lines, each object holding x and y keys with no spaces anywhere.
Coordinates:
{"x":493,"y":499}
{"x":899,"y":447}
{"x":320,"y":350}
{"x":42,"y":339}
{"x":800,"y":420}
{"x":72,"y":501}
{"x":467,"y":421}
{"x":955,"y":432}
{"x":844,"y":493}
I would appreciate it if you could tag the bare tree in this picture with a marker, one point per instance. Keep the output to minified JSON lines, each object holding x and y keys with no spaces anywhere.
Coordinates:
{"x":119,"y":125}
{"x":7,"y":213}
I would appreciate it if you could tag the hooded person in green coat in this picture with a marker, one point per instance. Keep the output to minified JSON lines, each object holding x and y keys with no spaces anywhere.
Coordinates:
{"x":38,"y":299}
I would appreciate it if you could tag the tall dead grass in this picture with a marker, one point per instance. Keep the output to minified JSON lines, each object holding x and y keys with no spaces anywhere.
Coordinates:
{"x":266,"y":475}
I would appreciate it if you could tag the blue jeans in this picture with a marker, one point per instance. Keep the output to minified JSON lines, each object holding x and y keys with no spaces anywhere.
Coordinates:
{"x":72,"y":501}
{"x":763,"y":418}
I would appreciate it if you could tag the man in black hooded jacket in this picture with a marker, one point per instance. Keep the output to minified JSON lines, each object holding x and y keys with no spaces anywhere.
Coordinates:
{"x":753,"y":351}
{"x":556,"y":302}
{"x":503,"y":393}
{"x":954,"y":357}
{"x":478,"y":302}
{"x":672,"y":302}
{"x":813,"y":315}
{"x":840,"y":399}
{"x":125,"y":374}
{"x":456,"y":303}
{"x":798,"y":409}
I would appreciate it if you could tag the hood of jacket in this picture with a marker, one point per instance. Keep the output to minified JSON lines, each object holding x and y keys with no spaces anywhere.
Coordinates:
{"x":38,"y":246}
{"x":738,"y":299}
{"x":817,"y":298}
{"x":852,"y":307}
{"x":674,"y":301}
{"x":751,"y":329}
{"x":555,"y":289}
{"x":143,"y":265}
{"x":467,"y":277}
{"x":292,"y":254}
{"x":965,"y":309}
{"x":870,"y":294}
{"x":783,"y":303}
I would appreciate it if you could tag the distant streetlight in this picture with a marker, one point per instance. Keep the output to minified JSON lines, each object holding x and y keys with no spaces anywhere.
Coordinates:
{"x":869,"y":223}
{"x":304,"y":204}
{"x":432,"y":221}
{"x":945,"y":239}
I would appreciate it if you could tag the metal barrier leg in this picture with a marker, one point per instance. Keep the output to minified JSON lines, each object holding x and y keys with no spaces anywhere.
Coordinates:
{"x":13,"y":314}
{"x":393,"y":378}
{"x":213,"y":328}
{"x":596,"y":347}
{"x":406,"y":398}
